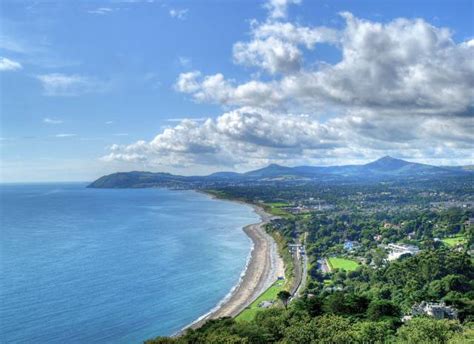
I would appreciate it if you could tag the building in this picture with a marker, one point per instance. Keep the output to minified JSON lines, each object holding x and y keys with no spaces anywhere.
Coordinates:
{"x":351,"y":245}
{"x":398,"y":250}
{"x":437,"y":310}
{"x":265,"y":304}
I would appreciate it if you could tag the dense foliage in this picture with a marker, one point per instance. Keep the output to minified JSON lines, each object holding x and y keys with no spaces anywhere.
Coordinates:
{"x":365,"y":304}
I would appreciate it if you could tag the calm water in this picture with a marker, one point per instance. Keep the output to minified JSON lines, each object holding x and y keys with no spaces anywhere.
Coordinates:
{"x":113,"y":266}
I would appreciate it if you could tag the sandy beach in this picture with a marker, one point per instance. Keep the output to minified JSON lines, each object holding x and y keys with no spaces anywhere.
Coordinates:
{"x":264,"y":267}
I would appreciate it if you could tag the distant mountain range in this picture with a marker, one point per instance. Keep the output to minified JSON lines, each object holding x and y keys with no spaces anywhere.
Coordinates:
{"x":386,"y":168}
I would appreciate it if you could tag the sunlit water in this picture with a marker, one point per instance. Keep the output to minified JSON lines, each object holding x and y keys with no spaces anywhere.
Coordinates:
{"x":113,"y":266}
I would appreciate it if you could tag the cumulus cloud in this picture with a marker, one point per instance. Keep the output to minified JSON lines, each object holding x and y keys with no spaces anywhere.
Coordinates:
{"x":404,"y":65}
{"x":249,"y":137}
{"x":276,"y":46}
{"x":278,"y":8}
{"x":233,"y":138}
{"x":216,"y":89}
{"x":403,"y":87}
{"x":57,"y":84}
{"x":9,"y":65}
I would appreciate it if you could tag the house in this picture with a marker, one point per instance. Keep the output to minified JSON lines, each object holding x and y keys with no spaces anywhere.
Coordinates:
{"x":265,"y":304}
{"x":397,"y":250}
{"x":350,"y":245}
{"x":437,"y":310}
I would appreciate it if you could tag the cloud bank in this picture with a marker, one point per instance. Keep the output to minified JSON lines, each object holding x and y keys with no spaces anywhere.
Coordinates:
{"x":404,"y":87}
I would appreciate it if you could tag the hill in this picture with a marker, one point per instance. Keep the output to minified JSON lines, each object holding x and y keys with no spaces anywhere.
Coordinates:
{"x":386,"y":168}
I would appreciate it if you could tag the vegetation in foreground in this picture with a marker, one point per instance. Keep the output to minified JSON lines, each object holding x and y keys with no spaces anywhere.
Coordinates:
{"x":366,"y":297}
{"x":454,"y":241}
{"x":270,"y":295}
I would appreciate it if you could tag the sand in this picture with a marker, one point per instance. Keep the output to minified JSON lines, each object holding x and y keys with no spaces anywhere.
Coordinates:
{"x":263,"y":269}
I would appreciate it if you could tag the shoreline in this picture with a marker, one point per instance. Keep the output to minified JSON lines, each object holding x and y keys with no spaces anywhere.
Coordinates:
{"x":262,"y":269}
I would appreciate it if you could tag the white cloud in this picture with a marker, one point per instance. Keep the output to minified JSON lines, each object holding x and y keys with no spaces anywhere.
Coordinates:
{"x":402,"y":88}
{"x":9,"y":65}
{"x":180,"y":14}
{"x":404,"y":65}
{"x":48,"y":120}
{"x":276,"y":46}
{"x":239,"y":136}
{"x":57,"y":84}
{"x":216,"y":89}
{"x":184,"y":62}
{"x":197,"y":119}
{"x":278,"y":8}
{"x":65,"y":135}
{"x":101,"y":10}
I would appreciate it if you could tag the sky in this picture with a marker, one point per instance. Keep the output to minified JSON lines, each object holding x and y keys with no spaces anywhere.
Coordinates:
{"x":89,"y":88}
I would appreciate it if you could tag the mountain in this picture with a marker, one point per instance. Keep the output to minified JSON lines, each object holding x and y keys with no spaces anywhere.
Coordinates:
{"x":386,"y":168}
{"x":272,"y":170}
{"x":225,"y":175}
{"x":136,"y":179}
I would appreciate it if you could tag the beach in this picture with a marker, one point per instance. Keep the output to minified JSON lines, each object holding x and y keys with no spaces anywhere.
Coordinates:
{"x":264,"y":267}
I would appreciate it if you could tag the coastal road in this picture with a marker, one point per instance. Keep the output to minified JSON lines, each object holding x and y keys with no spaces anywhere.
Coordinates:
{"x":301,"y":270}
{"x":304,"y":276}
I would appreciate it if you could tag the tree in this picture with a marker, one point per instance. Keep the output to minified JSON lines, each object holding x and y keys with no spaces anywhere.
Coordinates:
{"x":284,"y":296}
{"x":372,"y":332}
{"x":382,"y":308}
{"x":329,"y":329}
{"x":426,"y":330}
{"x":300,"y":333}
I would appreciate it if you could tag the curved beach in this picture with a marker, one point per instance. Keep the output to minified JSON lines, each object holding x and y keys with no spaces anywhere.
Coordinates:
{"x":264,"y":267}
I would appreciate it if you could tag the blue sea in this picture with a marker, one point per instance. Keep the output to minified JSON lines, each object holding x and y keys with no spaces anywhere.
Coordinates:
{"x":85,"y":265}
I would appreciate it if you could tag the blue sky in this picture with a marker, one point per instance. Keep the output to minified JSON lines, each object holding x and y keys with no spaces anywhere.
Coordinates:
{"x":192,"y":87}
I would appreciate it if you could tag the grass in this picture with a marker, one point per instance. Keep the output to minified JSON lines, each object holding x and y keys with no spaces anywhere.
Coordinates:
{"x":343,"y":264}
{"x":275,"y":208}
{"x":248,"y":314}
{"x":278,"y":204}
{"x":454,"y":241}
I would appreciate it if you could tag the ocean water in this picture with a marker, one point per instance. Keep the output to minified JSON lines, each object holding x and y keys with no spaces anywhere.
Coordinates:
{"x":113,"y":266}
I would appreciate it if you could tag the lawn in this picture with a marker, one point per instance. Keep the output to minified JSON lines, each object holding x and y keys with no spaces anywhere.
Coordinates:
{"x":278,"y":204}
{"x":454,"y":241}
{"x":343,"y":264}
{"x":275,"y":208}
{"x":248,"y":314}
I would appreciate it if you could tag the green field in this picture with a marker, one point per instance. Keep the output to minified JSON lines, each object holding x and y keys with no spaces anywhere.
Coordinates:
{"x":454,"y":241}
{"x":343,"y":264}
{"x":278,"y":204}
{"x":275,"y":208}
{"x":248,"y":314}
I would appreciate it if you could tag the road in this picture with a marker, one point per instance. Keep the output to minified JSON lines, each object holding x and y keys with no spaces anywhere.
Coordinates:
{"x":300,"y":262}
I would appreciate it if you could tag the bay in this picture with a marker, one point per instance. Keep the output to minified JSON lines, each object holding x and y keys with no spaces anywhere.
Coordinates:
{"x":113,"y":266}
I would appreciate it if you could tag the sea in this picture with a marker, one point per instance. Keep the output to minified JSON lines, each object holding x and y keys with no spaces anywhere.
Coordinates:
{"x":82,"y":265}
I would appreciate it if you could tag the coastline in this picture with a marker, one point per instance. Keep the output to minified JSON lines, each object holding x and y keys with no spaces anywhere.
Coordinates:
{"x":263,"y":267}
